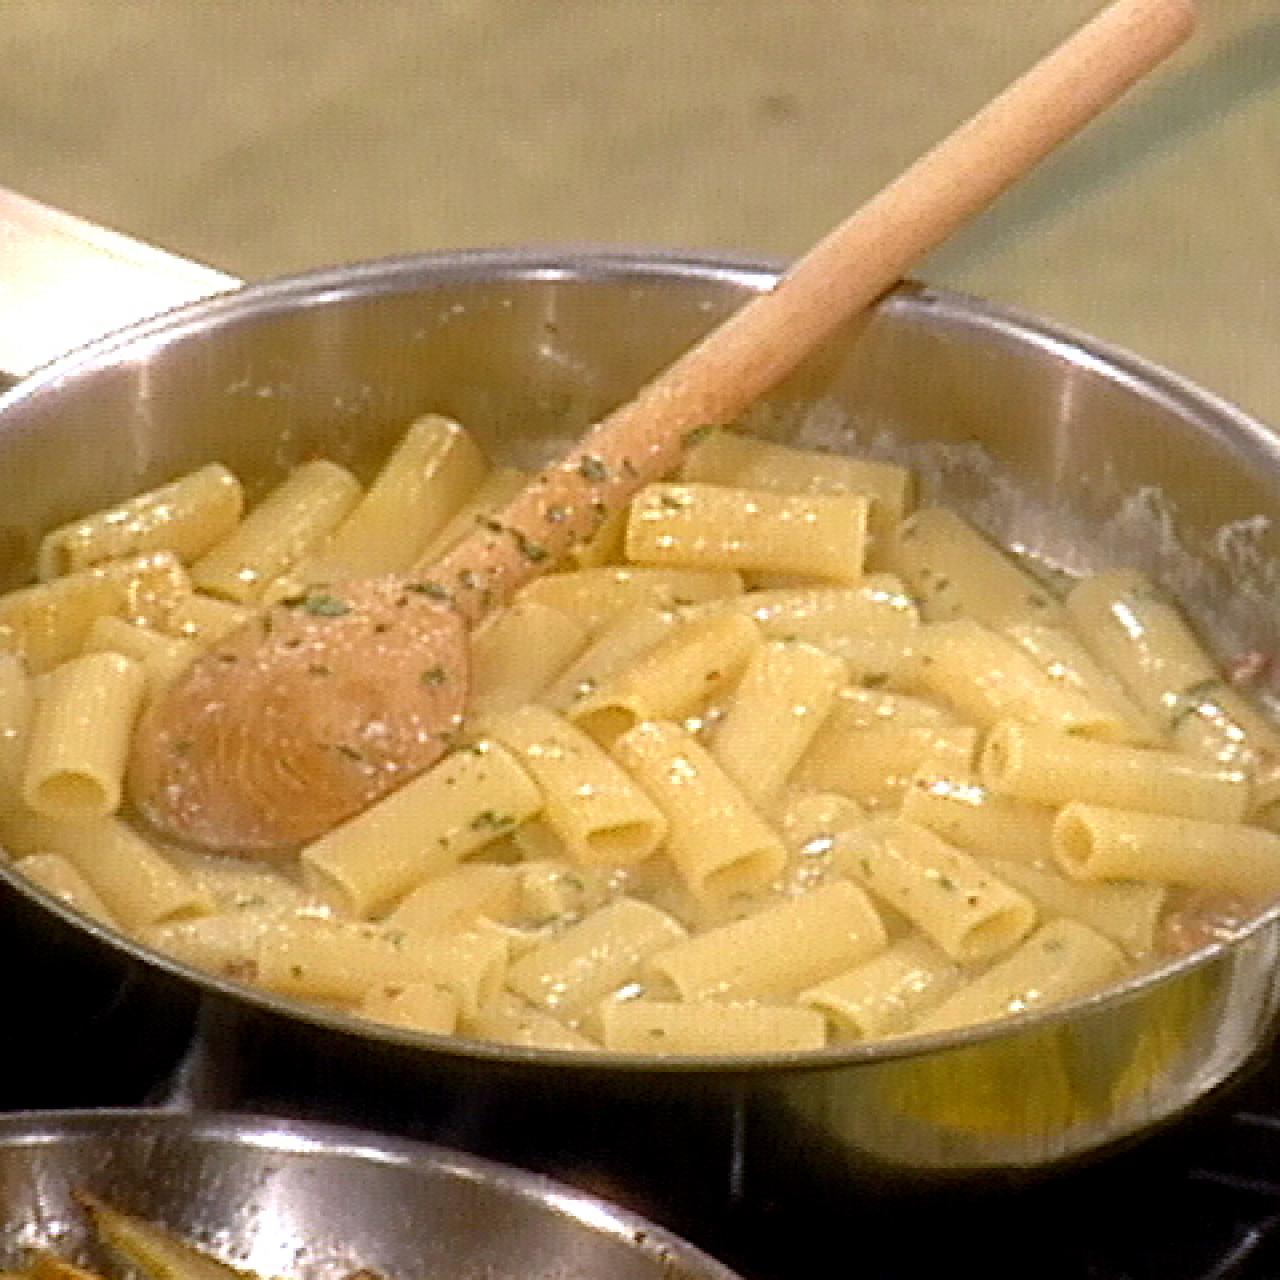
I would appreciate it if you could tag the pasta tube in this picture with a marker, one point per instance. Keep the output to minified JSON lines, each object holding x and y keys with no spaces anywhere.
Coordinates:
{"x":633,"y":633}
{"x":597,"y":596}
{"x":706,"y":526}
{"x":1138,"y":633}
{"x":473,"y":796}
{"x":864,"y":707}
{"x":955,"y":572}
{"x":204,"y":620}
{"x":457,"y":899}
{"x":1052,"y":768}
{"x":1060,"y":961}
{"x":490,"y":495}
{"x":47,"y":624}
{"x":17,"y":704}
{"x":187,"y":517}
{"x":661,"y":1027}
{"x":570,"y":974}
{"x":1091,"y":842}
{"x":876,"y":765}
{"x":718,"y":842}
{"x":59,"y":878}
{"x":988,"y":678}
{"x":782,"y":700}
{"x":673,"y":680}
{"x":510,"y":1020}
{"x":950,"y":801}
{"x":225,"y":943}
{"x":745,"y":462}
{"x":80,"y":736}
{"x":517,"y":654}
{"x":1127,"y":912}
{"x":332,"y":960}
{"x":1067,"y":662}
{"x":138,"y":884}
{"x":285,"y":526}
{"x":883,"y":996}
{"x":778,"y":951}
{"x":871,"y":626}
{"x":415,"y":1006}
{"x":162,"y":657}
{"x":602,"y":816}
{"x":949,"y":896}
{"x":426,"y":479}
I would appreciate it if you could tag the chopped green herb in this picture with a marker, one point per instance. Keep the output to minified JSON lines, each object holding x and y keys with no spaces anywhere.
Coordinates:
{"x":532,"y":551}
{"x":491,"y":820}
{"x":296,"y":970}
{"x":434,"y":676}
{"x":488,"y":522}
{"x":325,"y":606}
{"x":697,"y":435}
{"x":350,"y":752}
{"x":319,"y":669}
{"x":431,"y":589}
{"x":876,"y":679}
{"x":593,"y":469}
{"x":1193,"y":698}
{"x":556,"y":513}
{"x":183,"y":746}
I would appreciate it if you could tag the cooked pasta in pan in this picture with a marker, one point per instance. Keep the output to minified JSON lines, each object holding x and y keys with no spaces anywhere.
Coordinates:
{"x":774,"y":762}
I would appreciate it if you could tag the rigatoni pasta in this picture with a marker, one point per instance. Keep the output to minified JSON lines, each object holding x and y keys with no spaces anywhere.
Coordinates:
{"x":689,"y":811}
{"x":699,"y":526}
{"x":290,"y":522}
{"x":603,"y":817}
{"x":79,"y":737}
{"x":187,"y":516}
{"x":429,"y":475}
{"x":470,"y":798}
{"x":717,"y":841}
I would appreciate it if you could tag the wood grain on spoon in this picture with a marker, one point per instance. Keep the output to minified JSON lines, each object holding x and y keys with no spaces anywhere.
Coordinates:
{"x":254,"y":749}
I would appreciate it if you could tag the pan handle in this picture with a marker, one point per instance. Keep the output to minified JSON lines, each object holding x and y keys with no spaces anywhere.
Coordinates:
{"x":65,"y":281}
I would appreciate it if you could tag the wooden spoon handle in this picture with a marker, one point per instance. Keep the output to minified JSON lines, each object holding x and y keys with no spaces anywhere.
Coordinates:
{"x":766,"y":339}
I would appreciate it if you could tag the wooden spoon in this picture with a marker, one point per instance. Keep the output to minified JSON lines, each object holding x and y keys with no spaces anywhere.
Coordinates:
{"x":308,"y":715}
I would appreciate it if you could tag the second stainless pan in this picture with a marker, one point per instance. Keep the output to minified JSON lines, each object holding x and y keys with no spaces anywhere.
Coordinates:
{"x":1049,"y":440}
{"x":292,"y":1200}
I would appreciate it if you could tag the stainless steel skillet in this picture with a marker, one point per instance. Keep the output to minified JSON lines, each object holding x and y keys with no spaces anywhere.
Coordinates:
{"x":285,"y":1199}
{"x":1053,"y":442}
